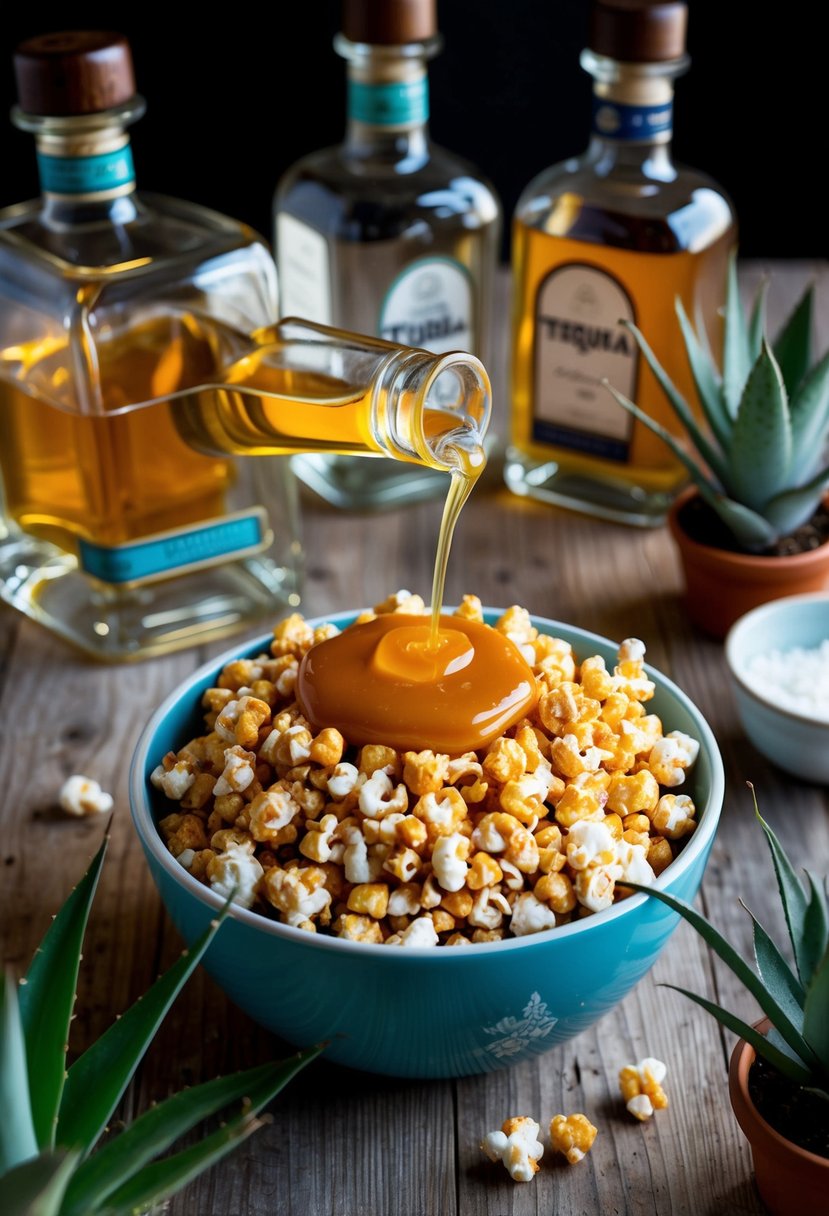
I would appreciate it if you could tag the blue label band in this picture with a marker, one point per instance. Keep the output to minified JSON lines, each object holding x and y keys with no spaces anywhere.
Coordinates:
{"x":391,"y":104}
{"x":86,"y":174}
{"x":177,"y":552}
{"x":614,"y":120}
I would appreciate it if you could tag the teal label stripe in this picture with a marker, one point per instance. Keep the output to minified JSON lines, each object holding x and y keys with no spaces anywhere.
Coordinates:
{"x":175,"y":552}
{"x":86,"y":174}
{"x":391,"y":104}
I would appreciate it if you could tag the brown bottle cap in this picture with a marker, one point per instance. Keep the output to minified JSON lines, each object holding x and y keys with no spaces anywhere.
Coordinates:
{"x":638,"y":31}
{"x":74,"y":72}
{"x":389,"y":22}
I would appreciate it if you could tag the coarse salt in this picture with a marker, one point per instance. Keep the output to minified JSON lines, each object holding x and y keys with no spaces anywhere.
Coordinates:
{"x":796,"y":679}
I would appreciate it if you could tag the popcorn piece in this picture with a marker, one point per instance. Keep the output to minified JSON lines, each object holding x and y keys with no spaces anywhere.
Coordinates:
{"x":81,"y":795}
{"x":572,"y":1135}
{"x":343,"y":780}
{"x":298,"y":894}
{"x":589,"y":844}
{"x":674,"y":816}
{"x":529,"y":915}
{"x":235,"y":873}
{"x":425,"y":772}
{"x":238,"y":772}
{"x":449,"y":861}
{"x":516,"y":1146}
{"x":671,"y":755}
{"x":378,"y":797}
{"x":175,"y":782}
{"x":641,"y":1086}
{"x":421,"y":932}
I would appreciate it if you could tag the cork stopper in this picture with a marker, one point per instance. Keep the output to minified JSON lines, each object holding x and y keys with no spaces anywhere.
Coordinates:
{"x":638,"y":31}
{"x":74,"y":72}
{"x":389,"y":22}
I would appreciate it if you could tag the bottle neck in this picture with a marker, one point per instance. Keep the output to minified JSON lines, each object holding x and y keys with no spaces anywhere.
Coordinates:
{"x":633,"y":112}
{"x":388,"y":102}
{"x":85,"y":164}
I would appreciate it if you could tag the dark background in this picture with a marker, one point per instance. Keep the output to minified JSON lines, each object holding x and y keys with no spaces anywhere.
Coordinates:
{"x":234,"y":100}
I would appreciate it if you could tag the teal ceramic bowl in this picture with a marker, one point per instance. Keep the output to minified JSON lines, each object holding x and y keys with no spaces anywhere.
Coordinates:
{"x":416,"y":1012}
{"x":791,"y":738}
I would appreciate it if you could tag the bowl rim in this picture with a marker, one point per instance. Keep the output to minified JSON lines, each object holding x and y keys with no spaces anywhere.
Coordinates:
{"x":743,"y":626}
{"x":152,"y":842}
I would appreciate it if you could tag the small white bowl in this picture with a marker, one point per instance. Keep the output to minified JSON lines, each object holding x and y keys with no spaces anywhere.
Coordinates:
{"x":792,"y":739}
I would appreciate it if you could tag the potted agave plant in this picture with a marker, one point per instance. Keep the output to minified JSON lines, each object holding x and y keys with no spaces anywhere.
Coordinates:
{"x":779,"y":1071}
{"x":52,"y":1119}
{"x":754,"y":526}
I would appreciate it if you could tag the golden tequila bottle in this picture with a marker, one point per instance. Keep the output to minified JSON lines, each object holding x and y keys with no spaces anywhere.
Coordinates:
{"x":614,"y":235}
{"x":387,"y":233}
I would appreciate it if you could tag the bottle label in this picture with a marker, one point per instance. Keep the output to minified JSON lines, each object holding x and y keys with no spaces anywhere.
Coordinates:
{"x":391,"y":103}
{"x":429,"y":305}
{"x":87,"y":175}
{"x":579,"y":342}
{"x":178,"y":551}
{"x":618,"y":120}
{"x":304,"y":275}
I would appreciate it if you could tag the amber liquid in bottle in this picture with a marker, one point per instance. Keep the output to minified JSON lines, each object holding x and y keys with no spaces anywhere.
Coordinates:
{"x":615,"y":236}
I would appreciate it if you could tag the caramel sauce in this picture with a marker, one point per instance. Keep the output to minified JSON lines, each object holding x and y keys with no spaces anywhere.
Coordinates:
{"x":385,"y":682}
{"x":413,"y":682}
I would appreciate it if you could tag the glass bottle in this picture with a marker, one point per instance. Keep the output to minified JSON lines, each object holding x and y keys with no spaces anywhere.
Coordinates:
{"x":387,"y":233}
{"x":140,"y":368}
{"x":613,"y":235}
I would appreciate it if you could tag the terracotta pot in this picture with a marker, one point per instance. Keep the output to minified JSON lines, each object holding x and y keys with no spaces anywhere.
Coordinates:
{"x":791,"y":1180}
{"x":721,"y":586}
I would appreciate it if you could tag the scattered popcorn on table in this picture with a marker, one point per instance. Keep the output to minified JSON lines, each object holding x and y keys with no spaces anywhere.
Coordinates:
{"x":82,"y":796}
{"x":572,"y":1135}
{"x":422,"y":849}
{"x":516,"y":1146}
{"x":641,"y":1086}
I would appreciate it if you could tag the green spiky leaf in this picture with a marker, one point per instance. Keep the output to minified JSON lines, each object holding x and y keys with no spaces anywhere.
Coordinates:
{"x":815,"y":928}
{"x":157,"y":1182}
{"x":98,"y":1078}
{"x":757,"y":324}
{"x":47,"y":997}
{"x":121,"y":1159}
{"x":809,"y":411}
{"x":778,"y":976}
{"x":18,"y":1142}
{"x":792,"y":347}
{"x":706,"y":381}
{"x":736,"y":354}
{"x":761,"y":446}
{"x":740,"y":968}
{"x":37,"y":1188}
{"x":816,"y":1022}
{"x":793,"y":899}
{"x":789,"y":510}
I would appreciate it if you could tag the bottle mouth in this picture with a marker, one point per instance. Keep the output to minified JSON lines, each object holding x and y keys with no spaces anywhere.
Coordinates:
{"x":365,"y":52}
{"x":77,"y":124}
{"x":442,"y":411}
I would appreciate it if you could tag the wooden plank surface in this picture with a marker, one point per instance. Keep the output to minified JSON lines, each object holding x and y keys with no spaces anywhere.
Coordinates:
{"x":348,"y":1144}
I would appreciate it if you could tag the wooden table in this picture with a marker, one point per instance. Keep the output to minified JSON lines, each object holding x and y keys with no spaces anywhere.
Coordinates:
{"x":350,"y":1144}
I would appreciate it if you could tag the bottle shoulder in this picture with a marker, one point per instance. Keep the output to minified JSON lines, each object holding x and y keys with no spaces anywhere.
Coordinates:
{"x":335,"y":191}
{"x":631,"y":206}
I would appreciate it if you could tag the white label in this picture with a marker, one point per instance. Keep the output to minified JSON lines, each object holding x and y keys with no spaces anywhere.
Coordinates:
{"x":579,"y":341}
{"x":430,"y":305}
{"x":304,"y":279}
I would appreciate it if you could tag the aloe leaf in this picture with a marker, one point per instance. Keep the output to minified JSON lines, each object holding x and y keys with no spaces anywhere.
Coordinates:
{"x":793,"y":898}
{"x":792,"y":345}
{"x":17,"y":1133}
{"x":706,"y":380}
{"x":98,"y":1078}
{"x":792,"y":508}
{"x":680,"y":406}
{"x":47,"y":996}
{"x":751,"y":529}
{"x":158,"y":1128}
{"x":780,"y":1060}
{"x":157,"y":1182}
{"x":37,"y":1187}
{"x":736,"y":355}
{"x":761,"y":444}
{"x":777,"y":975}
{"x":816,"y":1022}
{"x":809,"y":412}
{"x":815,"y":929}
{"x":732,"y":959}
{"x":757,"y":324}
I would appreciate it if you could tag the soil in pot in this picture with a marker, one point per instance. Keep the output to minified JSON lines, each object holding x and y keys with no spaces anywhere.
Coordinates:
{"x":794,"y":1112}
{"x":705,"y":527}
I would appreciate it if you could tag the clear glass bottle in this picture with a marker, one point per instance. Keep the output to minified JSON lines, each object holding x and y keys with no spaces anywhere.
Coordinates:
{"x":387,"y":233}
{"x":615,"y":234}
{"x":114,"y":533}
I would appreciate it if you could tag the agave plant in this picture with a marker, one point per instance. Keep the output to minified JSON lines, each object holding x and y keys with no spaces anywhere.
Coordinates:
{"x":52,"y":1119}
{"x":760,"y":464}
{"x":794,"y":999}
